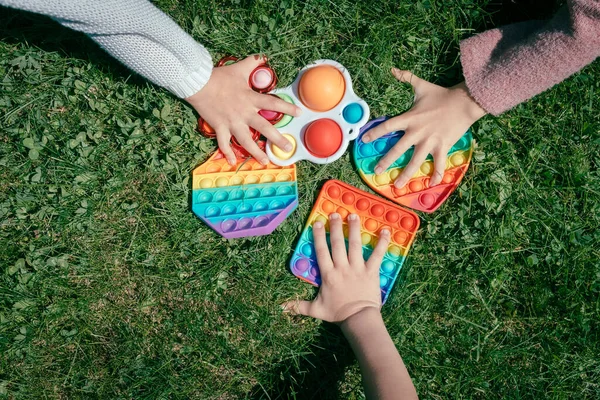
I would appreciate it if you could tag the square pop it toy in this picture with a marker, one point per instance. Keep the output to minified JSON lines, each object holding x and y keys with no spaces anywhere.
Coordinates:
{"x":375,"y":214}
{"x":416,"y":193}
{"x":331,"y":115}
{"x":247,"y":199}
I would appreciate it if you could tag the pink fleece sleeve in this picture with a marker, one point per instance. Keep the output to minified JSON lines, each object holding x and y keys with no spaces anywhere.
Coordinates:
{"x":507,"y":66}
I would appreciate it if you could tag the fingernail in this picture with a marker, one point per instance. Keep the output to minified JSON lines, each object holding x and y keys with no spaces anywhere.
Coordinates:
{"x":333,"y":216}
{"x":288,"y":147}
{"x":264,"y":161}
{"x":318,"y":225}
{"x":352,"y":217}
{"x":399,"y":184}
{"x":298,"y":111}
{"x":385,"y":232}
{"x":231,"y":161}
{"x":366,"y":139}
{"x":378,"y":170}
{"x":395,"y":70}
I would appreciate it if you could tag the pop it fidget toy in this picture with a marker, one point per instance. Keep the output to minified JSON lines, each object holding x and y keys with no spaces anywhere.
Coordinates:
{"x":246,"y":199}
{"x":375,"y":215}
{"x":331,"y":115}
{"x":416,"y":193}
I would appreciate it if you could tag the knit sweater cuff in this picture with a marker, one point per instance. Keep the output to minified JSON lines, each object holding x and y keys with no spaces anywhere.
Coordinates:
{"x":192,"y":83}
{"x":474,"y":54}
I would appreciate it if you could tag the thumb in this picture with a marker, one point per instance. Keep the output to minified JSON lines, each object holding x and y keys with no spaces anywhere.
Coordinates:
{"x":297,"y":307}
{"x":408,"y":77}
{"x":251,"y":62}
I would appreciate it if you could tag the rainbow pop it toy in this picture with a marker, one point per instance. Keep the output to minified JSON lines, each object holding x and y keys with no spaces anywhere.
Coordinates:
{"x":416,"y":193}
{"x":331,"y":115}
{"x":375,"y":214}
{"x":246,"y":199}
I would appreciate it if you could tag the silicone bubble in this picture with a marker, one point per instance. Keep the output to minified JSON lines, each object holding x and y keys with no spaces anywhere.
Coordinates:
{"x":248,"y":199}
{"x":262,"y":77}
{"x":375,"y":214}
{"x":353,"y":113}
{"x":321,"y":88}
{"x":416,"y":193}
{"x":281,"y":154}
{"x":323,"y":137}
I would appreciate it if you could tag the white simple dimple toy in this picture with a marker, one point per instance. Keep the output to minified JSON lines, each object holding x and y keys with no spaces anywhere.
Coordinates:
{"x":332,"y":115}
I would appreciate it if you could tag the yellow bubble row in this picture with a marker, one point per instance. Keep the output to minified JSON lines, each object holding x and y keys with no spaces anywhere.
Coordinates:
{"x":242,"y":178}
{"x":455,"y":160}
{"x":395,"y":248}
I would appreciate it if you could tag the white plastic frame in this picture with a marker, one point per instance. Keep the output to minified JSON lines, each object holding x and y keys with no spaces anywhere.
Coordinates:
{"x":298,"y":125}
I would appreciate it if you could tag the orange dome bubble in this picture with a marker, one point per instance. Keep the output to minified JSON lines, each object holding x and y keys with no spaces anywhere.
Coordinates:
{"x":392,"y":216}
{"x":362,"y":204}
{"x":371,"y":225}
{"x":401,"y":237}
{"x":343,"y":212}
{"x":321,"y":88}
{"x":415,"y":186}
{"x":407,"y":223}
{"x":334,"y":192}
{"x":328,"y":207}
{"x":448,"y":177}
{"x":377,"y":210}
{"x":323,"y":137}
{"x":348,"y":198}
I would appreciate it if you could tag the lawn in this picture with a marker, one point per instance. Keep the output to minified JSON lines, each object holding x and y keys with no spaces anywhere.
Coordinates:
{"x":111,"y":288}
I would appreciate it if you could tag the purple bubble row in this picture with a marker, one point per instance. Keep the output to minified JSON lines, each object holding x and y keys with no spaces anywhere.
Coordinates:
{"x":231,"y":225}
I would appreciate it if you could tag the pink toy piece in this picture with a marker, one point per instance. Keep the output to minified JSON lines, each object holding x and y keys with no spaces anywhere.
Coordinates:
{"x":261,"y":78}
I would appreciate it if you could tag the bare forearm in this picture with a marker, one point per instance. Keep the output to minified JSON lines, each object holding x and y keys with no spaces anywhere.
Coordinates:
{"x":384,"y":373}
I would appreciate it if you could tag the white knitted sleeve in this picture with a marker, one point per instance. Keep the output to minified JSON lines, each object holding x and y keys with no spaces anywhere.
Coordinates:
{"x":136,"y":33}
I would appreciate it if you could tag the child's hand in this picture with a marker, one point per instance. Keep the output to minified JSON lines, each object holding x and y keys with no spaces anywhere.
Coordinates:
{"x":348,"y":284}
{"x":231,"y":107}
{"x":438,"y":118}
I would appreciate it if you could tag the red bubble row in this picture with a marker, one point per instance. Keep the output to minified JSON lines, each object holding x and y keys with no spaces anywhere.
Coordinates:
{"x":365,"y":205}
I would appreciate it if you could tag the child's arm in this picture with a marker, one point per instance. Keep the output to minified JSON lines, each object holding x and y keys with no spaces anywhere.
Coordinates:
{"x":350,"y":296}
{"x":502,"y":67}
{"x":150,"y":43}
{"x":384,"y":373}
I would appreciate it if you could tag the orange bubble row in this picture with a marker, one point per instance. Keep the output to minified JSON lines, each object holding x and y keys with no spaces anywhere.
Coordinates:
{"x":375,"y":214}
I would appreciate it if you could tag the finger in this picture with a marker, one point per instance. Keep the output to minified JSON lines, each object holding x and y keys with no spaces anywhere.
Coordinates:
{"x":408,"y":77}
{"x":269,"y":131}
{"x":323,"y":255}
{"x":398,"y":123}
{"x":415,"y":162}
{"x":296,"y":307}
{"x":274,"y":103}
{"x":395,"y":153}
{"x":223,"y":138}
{"x":380,"y":249}
{"x":439,"y":166}
{"x":251,"y":62}
{"x":242,"y":135}
{"x":354,"y":238}
{"x":338,"y":244}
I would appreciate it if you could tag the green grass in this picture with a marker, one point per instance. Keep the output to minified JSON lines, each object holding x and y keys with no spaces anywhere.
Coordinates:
{"x":111,"y":288}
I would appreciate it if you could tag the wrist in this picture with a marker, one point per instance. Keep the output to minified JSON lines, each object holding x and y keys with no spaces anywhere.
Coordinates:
{"x":367,"y":318}
{"x":474,"y":110}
